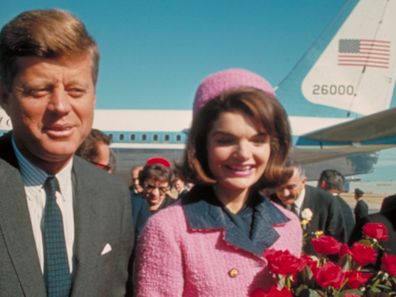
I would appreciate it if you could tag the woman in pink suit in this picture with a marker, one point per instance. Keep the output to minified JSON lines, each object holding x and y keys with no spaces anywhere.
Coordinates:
{"x":212,"y":242}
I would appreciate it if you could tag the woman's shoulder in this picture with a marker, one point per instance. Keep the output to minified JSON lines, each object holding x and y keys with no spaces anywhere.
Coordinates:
{"x":172,"y":214}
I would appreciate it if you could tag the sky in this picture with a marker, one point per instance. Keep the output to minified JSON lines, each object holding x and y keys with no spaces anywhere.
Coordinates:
{"x":154,"y":53}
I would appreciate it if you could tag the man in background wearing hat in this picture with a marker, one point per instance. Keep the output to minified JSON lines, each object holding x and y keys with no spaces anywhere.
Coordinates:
{"x":361,"y":209}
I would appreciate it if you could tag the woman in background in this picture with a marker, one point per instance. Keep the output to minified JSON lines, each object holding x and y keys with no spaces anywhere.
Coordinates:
{"x":212,"y":242}
{"x":156,"y":178}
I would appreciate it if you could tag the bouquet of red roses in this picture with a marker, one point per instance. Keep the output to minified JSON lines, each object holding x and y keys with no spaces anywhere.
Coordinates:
{"x":336,"y":270}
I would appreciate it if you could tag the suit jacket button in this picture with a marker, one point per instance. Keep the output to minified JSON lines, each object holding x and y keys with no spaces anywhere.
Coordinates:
{"x":233,"y":272}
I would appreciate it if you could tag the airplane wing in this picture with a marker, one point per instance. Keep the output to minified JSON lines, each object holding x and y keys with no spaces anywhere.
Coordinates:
{"x":317,"y":154}
{"x":379,"y":125}
{"x":363,"y":135}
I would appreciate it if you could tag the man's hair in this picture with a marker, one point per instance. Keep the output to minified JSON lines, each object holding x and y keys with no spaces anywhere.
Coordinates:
{"x":333,"y":180}
{"x":266,"y":113}
{"x":88,"y":150}
{"x":49,"y":34}
{"x":295,"y":165}
{"x":291,"y":166}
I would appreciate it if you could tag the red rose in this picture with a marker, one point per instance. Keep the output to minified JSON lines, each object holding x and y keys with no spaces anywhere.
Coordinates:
{"x":351,"y":295}
{"x":258,"y":293}
{"x":344,"y":250}
{"x":375,"y":230}
{"x":310,"y":262}
{"x":326,"y":245}
{"x":389,"y":264}
{"x":363,"y":254}
{"x":273,"y":292}
{"x":283,"y":262}
{"x":357,"y":279}
{"x":329,"y":275}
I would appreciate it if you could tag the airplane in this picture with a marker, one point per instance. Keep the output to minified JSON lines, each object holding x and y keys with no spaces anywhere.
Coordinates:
{"x":340,"y":99}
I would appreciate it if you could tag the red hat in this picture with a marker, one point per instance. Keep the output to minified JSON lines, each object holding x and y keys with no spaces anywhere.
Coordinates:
{"x":159,"y":160}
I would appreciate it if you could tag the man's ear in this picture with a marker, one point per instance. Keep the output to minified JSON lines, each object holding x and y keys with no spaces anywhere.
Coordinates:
{"x":323,"y":184}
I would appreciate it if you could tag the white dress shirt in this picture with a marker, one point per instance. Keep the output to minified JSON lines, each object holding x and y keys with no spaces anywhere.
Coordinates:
{"x":299,"y":201}
{"x":33,"y":179}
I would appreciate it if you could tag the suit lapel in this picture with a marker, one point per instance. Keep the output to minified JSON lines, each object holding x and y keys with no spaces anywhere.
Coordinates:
{"x":308,"y":202}
{"x":86,"y":223}
{"x":16,"y":229}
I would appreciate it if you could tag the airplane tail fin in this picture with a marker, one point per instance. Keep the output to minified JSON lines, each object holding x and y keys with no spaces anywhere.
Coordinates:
{"x":350,"y":70}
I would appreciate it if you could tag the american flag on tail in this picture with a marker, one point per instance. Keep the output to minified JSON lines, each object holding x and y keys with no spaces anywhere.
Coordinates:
{"x":364,"y":53}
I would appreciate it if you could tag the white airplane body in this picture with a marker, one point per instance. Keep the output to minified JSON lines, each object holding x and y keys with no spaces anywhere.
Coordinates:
{"x":340,"y":99}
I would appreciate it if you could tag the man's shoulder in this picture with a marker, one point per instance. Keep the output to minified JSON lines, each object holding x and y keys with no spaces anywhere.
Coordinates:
{"x":6,"y":151}
{"x":8,"y":162}
{"x":389,"y":203}
{"x":8,"y":172}
{"x":342,"y":201}
{"x":361,"y":202}
{"x":317,"y":193}
{"x":381,"y":217}
{"x":89,"y":174}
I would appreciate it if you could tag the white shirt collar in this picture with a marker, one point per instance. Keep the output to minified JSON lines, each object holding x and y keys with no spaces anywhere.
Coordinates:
{"x":34,"y":177}
{"x":300,"y":199}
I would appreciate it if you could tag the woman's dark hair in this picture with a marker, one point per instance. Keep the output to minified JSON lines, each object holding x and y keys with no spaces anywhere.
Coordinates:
{"x":263,"y":109}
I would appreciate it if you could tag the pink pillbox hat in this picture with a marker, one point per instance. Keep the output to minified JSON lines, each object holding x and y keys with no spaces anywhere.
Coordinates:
{"x":227,"y":80}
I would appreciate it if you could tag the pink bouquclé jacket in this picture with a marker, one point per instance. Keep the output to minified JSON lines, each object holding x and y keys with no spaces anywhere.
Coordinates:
{"x":181,"y":254}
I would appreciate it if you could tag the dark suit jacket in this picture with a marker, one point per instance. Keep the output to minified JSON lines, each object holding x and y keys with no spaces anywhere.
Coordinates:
{"x":327,"y":215}
{"x":102,"y":214}
{"x":140,"y":211}
{"x":388,"y":218}
{"x":388,"y":204}
{"x":361,"y":210}
{"x":347,"y":214}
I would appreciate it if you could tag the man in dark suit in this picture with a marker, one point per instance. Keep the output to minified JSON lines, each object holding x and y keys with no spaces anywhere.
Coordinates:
{"x":323,"y":211}
{"x":361,"y":207}
{"x":66,"y":226}
{"x":333,"y":181}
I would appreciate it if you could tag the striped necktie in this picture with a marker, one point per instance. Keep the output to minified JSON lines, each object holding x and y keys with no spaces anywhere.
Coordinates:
{"x":56,"y":267}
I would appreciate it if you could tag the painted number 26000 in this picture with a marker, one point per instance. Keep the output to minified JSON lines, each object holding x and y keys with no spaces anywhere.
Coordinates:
{"x":333,"y":90}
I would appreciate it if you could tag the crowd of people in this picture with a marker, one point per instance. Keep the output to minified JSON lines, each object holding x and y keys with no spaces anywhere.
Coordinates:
{"x":70,"y":227}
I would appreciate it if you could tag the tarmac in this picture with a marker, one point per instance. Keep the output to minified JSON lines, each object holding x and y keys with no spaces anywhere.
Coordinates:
{"x":373,"y":201}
